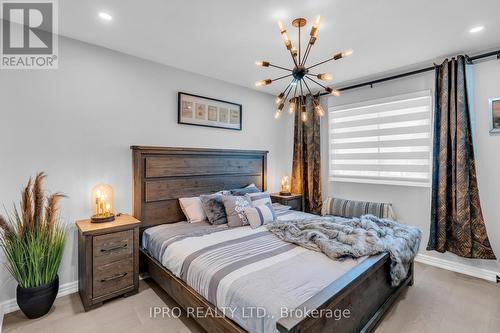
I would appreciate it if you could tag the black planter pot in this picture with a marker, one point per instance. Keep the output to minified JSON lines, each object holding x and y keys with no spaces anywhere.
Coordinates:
{"x":36,"y":302}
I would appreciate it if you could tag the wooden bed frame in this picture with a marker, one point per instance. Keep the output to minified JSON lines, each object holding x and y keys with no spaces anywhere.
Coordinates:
{"x":161,"y":175}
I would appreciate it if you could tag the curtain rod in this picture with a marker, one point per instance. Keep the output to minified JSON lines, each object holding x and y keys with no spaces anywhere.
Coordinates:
{"x":418,"y":71}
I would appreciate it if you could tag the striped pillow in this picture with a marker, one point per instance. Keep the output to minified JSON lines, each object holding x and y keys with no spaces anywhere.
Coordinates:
{"x":259,"y":199}
{"x":351,"y":208}
{"x":260,"y":215}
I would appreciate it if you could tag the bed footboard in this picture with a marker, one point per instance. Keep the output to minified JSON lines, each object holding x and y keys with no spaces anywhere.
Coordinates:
{"x":354,"y":303}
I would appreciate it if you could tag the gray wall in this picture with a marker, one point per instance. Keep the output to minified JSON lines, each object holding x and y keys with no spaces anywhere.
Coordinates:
{"x":412,"y":204}
{"x":77,"y":123}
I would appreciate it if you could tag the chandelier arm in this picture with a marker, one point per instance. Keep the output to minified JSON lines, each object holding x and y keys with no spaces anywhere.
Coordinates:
{"x":299,"y":44}
{"x":305,"y":83}
{"x":320,"y":63}
{"x":306,"y":54}
{"x":289,"y":90}
{"x":319,"y":84}
{"x":280,"y":67}
{"x":301,"y":90}
{"x":291,"y":85}
{"x":281,"y":77}
{"x":295,"y":92}
{"x":294,"y":59}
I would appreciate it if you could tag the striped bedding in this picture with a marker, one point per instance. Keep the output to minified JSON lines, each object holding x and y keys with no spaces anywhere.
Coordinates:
{"x":245,"y":272}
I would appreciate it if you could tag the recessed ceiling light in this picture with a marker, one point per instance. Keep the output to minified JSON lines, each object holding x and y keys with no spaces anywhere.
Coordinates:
{"x":476,"y":29}
{"x":105,"y":16}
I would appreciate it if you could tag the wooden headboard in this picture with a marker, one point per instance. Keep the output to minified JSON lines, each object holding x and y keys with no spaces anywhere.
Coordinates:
{"x":162,"y":175}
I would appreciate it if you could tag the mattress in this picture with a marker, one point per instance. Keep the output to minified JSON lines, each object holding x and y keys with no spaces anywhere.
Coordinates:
{"x":252,"y":276}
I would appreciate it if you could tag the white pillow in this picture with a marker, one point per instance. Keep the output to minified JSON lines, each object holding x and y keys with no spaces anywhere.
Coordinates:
{"x":193,"y":209}
{"x":260,"y":215}
{"x":259,"y":198}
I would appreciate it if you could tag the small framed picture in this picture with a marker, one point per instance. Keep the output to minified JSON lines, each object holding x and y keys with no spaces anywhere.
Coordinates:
{"x":209,"y":112}
{"x":495,"y":115}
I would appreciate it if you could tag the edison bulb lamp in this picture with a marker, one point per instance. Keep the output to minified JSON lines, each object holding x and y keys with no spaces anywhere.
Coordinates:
{"x":102,"y":203}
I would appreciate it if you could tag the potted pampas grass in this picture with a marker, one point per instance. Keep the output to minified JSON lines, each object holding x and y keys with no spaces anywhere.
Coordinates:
{"x":32,"y":239}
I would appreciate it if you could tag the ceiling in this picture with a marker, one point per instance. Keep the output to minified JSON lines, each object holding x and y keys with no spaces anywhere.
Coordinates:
{"x":223,"y":38}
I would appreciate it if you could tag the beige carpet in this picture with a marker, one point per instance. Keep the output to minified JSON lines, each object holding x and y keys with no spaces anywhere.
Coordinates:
{"x":440,"y":301}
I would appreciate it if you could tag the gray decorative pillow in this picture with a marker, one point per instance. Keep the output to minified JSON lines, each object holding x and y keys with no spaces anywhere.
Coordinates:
{"x":235,"y":210}
{"x":242,"y":191}
{"x":214,"y":208}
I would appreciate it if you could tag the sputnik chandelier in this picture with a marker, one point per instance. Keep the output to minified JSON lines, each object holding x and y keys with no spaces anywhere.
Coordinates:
{"x":301,"y":73}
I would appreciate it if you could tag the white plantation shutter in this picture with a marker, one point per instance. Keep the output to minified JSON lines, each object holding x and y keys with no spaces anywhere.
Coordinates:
{"x":387,"y":141}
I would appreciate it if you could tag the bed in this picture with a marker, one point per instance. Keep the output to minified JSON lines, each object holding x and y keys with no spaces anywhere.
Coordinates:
{"x":189,"y":263}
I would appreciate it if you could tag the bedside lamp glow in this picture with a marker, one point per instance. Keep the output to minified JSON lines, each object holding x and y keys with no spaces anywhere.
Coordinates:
{"x":102,"y":203}
{"x":285,"y":186}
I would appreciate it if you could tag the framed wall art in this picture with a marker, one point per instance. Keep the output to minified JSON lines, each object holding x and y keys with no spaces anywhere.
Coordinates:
{"x":495,"y":115}
{"x":208,"y":112}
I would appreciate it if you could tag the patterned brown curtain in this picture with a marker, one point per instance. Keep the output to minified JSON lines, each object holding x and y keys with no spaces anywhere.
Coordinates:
{"x":306,"y":168}
{"x":457,"y":223}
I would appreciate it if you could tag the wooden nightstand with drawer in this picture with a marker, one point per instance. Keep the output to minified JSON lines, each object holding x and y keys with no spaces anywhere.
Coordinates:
{"x":294,"y":200}
{"x":108,"y":259}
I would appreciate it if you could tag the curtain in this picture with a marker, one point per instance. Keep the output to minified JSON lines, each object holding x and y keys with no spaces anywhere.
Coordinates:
{"x":457,"y":223}
{"x":306,"y":168}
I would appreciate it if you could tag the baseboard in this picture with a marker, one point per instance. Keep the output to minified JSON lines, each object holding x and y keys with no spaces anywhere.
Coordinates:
{"x":64,"y":289}
{"x":477,"y":272}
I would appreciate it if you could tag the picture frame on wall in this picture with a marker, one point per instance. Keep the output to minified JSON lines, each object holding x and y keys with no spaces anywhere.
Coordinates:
{"x":495,"y":115}
{"x":209,"y":112}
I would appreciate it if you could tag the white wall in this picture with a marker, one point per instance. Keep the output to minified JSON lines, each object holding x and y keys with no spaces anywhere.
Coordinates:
{"x":77,"y":123}
{"x":412,"y":204}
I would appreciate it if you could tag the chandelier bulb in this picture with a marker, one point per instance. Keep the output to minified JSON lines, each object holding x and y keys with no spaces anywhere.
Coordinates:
{"x":320,"y":111}
{"x":281,"y":26}
{"x":279,"y":98}
{"x":324,"y":77}
{"x":277,"y":114}
{"x":332,"y":91}
{"x":347,"y":52}
{"x":343,"y":54}
{"x":317,"y":21}
{"x":263,"y":83}
{"x":317,"y":107}
{"x":303,"y":116}
{"x":314,"y":29}
{"x":292,"y":105}
{"x":262,"y":63}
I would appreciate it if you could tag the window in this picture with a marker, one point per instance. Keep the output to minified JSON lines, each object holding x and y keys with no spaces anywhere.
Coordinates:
{"x":386,"y":141}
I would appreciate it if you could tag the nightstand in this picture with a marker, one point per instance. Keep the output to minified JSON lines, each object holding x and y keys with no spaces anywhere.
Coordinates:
{"x":294,"y":200}
{"x":108,"y":259}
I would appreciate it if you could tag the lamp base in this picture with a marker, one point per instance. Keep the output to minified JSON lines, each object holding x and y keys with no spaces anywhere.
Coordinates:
{"x":101,"y":218}
{"x":285,"y":194}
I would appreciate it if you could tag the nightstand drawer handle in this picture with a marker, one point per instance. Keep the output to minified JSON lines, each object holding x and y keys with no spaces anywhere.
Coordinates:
{"x":114,"y":277}
{"x":114,"y":248}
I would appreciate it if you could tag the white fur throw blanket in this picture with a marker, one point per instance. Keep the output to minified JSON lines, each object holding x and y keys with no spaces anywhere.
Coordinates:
{"x":339,"y":238}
